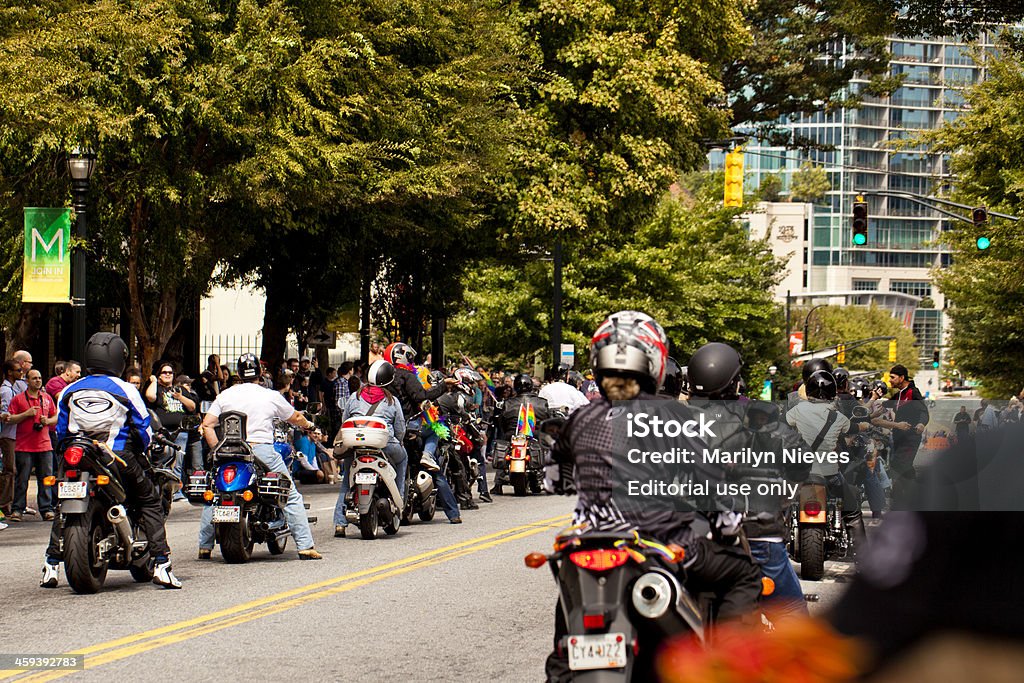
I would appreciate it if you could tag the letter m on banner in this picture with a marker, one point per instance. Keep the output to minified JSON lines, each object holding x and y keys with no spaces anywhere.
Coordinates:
{"x":47,"y":274}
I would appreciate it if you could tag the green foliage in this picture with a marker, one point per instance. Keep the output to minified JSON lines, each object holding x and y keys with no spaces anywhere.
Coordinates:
{"x":810,"y":183}
{"x":832,"y":325}
{"x":770,"y":188}
{"x":984,"y":288}
{"x":691,"y":266}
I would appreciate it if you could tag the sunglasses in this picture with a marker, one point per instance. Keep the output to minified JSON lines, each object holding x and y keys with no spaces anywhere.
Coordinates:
{"x":167,"y":372}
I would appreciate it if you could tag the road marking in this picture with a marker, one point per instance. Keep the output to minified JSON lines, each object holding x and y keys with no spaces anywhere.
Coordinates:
{"x":256,"y":609}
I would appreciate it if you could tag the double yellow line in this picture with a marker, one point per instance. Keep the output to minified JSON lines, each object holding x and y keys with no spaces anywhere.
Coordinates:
{"x":114,"y":650}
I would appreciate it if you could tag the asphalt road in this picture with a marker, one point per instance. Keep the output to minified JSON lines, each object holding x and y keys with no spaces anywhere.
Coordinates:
{"x":436,"y":602}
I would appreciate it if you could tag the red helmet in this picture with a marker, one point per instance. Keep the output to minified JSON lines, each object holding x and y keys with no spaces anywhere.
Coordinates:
{"x":398,"y":353}
{"x":632,"y":344}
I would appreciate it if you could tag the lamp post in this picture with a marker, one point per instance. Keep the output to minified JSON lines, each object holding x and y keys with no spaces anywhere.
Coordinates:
{"x":556,"y":307}
{"x":807,"y":341}
{"x":81,"y":164}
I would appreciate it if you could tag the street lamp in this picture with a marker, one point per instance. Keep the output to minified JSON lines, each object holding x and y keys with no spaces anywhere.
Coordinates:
{"x":81,"y":164}
{"x":807,"y":339}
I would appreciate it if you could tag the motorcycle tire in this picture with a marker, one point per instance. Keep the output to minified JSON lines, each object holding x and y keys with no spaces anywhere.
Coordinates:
{"x":428,"y":509}
{"x":276,"y":548}
{"x":535,"y":485}
{"x":391,"y":528}
{"x":518,"y":480}
{"x":82,"y":535}
{"x":812,"y":553}
{"x":369,"y":522}
{"x":236,"y":541}
{"x":143,"y":574}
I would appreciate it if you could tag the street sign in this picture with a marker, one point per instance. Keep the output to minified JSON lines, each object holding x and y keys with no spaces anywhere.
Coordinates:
{"x":796,"y":343}
{"x":568,"y":354}
{"x":322,"y":337}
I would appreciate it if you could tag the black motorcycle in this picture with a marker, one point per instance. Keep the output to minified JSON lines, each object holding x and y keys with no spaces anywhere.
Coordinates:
{"x":420,"y":491}
{"x":100,"y":529}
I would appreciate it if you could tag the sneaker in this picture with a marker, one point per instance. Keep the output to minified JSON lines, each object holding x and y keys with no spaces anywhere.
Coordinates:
{"x":457,"y":520}
{"x":51,"y":573}
{"x":310,"y":554}
{"x":469,"y":505}
{"x":48,"y":516}
{"x":339,"y":531}
{"x":428,"y":463}
{"x":162,"y":574}
{"x":31,"y":512}
{"x":496,"y":489}
{"x":205,"y":553}
{"x":2,"y":526}
{"x":14,"y":517}
{"x":486,"y":497}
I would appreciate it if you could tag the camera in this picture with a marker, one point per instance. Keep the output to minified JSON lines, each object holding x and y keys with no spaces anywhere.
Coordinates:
{"x":38,"y":426}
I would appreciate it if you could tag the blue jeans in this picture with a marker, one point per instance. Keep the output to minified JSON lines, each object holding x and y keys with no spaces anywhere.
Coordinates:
{"x":181,"y":441}
{"x":874,"y":486}
{"x":399,"y":460}
{"x":788,"y":598}
{"x":444,"y":489}
{"x":294,"y":510}
{"x":24,"y":462}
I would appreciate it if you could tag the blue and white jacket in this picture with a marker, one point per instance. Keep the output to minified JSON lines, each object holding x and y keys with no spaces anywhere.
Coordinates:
{"x":106,"y":409}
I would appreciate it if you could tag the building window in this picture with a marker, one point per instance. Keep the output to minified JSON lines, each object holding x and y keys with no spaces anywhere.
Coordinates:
{"x":928,"y":330}
{"x":865,"y":285}
{"x":912,"y":287}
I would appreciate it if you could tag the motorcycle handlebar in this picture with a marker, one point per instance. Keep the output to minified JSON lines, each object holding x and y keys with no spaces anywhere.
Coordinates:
{"x":164,"y":441}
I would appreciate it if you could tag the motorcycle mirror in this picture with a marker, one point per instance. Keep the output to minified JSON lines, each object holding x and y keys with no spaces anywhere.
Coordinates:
{"x":154,"y":421}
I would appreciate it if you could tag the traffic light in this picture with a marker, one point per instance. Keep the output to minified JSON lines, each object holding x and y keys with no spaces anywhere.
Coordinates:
{"x":892,"y":350}
{"x":841,"y":354}
{"x":980,"y":217}
{"x":734,"y":178}
{"x":860,"y":221}
{"x":935,"y":358}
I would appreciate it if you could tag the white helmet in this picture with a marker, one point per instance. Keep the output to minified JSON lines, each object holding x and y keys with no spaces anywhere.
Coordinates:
{"x":630,"y":344}
{"x":380,"y":374}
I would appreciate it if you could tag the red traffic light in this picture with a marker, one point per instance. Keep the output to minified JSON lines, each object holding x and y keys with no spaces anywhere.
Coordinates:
{"x":980,"y":215}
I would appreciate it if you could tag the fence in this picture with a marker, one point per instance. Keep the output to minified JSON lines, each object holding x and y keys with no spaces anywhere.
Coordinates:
{"x":230,"y":346}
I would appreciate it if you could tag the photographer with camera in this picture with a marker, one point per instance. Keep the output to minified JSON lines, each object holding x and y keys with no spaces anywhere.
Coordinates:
{"x":34,"y":411}
{"x":171,"y":404}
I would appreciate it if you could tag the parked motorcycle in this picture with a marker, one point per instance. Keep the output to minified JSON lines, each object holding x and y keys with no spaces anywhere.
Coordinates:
{"x":100,"y":529}
{"x":248,"y":499}
{"x":373,"y":498}
{"x":620,"y":598}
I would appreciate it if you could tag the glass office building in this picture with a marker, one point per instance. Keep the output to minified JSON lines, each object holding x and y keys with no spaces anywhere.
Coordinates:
{"x":901,"y":248}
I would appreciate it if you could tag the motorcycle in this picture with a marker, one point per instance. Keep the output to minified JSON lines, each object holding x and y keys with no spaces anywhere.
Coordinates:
{"x":620,"y":598}
{"x":100,"y":530}
{"x":519,"y":462}
{"x":248,"y":500}
{"x":818,"y":531}
{"x":420,"y":492}
{"x":373,"y":499}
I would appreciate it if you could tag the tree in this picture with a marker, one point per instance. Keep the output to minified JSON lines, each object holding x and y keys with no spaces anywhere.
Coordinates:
{"x":833,"y":325}
{"x":691,"y":266}
{"x":770,"y":188}
{"x":810,"y":183}
{"x":984,"y":288}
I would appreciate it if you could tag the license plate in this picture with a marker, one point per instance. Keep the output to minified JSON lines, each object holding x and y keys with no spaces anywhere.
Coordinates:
{"x":227,"y":513}
{"x":602,"y":651}
{"x":366,"y":478}
{"x":517,"y":466}
{"x":71,"y":489}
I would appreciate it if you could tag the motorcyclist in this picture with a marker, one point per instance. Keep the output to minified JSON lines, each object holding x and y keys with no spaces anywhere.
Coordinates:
{"x":123,"y":424}
{"x":560,"y":395}
{"x":672,"y":386}
{"x":822,"y":427}
{"x":375,"y":399}
{"x":461,"y":405}
{"x":810,"y":367}
{"x":714,"y":377}
{"x":627,"y":354}
{"x":525,"y":394}
{"x":261,"y":406}
{"x":411,"y":395}
{"x":845,"y":400}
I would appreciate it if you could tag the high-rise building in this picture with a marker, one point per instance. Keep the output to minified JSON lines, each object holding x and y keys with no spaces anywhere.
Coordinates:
{"x":867,"y":156}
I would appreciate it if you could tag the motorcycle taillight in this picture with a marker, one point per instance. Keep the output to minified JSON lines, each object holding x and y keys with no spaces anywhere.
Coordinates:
{"x":367,"y":459}
{"x":812,"y":508}
{"x":599,"y":560}
{"x":73,"y":455}
{"x":229,"y":473}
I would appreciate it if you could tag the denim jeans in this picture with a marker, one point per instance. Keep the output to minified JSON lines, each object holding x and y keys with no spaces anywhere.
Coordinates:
{"x":444,"y":489}
{"x":181,"y":441}
{"x":788,"y":597}
{"x":874,"y":486}
{"x":294,"y":510}
{"x":398,"y":459}
{"x":43,"y":462}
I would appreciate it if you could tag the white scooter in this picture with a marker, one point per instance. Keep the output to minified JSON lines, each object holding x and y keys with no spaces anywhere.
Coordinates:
{"x":373,"y":498}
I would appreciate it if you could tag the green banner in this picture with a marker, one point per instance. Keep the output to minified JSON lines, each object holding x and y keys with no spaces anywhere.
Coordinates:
{"x":47,"y":277}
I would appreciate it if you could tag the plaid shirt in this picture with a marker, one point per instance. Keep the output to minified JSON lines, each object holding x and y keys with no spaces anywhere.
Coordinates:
{"x":337,"y":394}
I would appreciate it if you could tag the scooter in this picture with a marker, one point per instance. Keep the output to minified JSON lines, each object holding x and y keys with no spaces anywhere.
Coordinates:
{"x":373,"y":499}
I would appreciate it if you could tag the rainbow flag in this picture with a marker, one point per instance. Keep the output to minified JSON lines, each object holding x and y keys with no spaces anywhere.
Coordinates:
{"x":490,"y":384}
{"x":434,"y":422}
{"x":527,"y":420}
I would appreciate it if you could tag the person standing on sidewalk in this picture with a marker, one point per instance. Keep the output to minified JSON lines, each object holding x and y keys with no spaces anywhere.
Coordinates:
{"x":34,"y":412}
{"x":911,"y":420}
{"x":8,"y":474}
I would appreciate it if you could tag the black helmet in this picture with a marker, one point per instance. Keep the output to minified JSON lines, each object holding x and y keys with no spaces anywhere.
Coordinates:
{"x":380,"y":374}
{"x":672,"y":385}
{"x":842,"y":376}
{"x":522,"y":384}
{"x":248,"y":367}
{"x":106,"y":354}
{"x":714,"y":371}
{"x":574,"y":378}
{"x":821,"y":385}
{"x":814,"y":365}
{"x":860,"y":388}
{"x":880,"y":385}
{"x":630,"y":344}
{"x":761,"y":416}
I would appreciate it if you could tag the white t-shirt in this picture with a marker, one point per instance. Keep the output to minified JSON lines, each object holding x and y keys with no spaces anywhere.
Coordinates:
{"x":809,"y":417}
{"x":260,"y":405}
{"x":562,"y":395}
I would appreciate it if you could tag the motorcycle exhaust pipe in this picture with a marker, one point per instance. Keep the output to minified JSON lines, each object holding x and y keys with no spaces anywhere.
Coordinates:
{"x":118,"y":517}
{"x":652,"y":595}
{"x":425,"y":484}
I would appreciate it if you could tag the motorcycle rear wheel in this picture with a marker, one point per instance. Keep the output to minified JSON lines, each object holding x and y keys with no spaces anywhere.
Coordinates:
{"x":236,"y":542}
{"x":276,"y":548}
{"x":82,"y":534}
{"x":518,"y":480}
{"x":428,"y":509}
{"x":143,"y":574}
{"x":812,"y":553}
{"x":369,"y":522}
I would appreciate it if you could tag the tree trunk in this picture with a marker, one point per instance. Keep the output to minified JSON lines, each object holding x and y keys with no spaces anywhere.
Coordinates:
{"x":25,"y":331}
{"x":275,"y":330}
